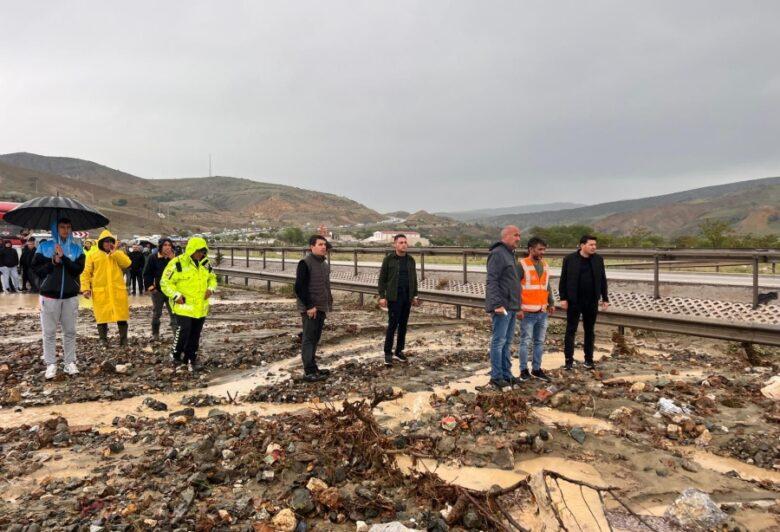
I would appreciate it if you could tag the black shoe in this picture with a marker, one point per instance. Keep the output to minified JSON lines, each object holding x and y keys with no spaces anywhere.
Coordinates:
{"x":401,"y":357}
{"x":589,"y":365}
{"x":314,"y":377}
{"x":500,"y":384}
{"x":323,"y":371}
{"x":569,"y":366}
{"x":524,"y":375}
{"x":389,"y":362}
{"x":539,"y":374}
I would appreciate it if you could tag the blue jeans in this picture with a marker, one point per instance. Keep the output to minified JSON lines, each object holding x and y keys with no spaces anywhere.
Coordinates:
{"x":534,"y":325}
{"x":500,"y":346}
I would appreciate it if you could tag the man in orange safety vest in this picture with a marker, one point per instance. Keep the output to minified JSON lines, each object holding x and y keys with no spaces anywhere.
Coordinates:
{"x":537,"y":304}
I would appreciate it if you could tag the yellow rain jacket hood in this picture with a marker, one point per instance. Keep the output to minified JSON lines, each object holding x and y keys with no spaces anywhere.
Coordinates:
{"x":185,"y":277}
{"x":103,"y":277}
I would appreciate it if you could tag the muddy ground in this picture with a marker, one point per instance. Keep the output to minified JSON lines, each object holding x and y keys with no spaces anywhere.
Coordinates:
{"x":130,"y":444}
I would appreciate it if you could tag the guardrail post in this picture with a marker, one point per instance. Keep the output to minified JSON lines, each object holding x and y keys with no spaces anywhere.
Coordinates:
{"x":283,"y":255}
{"x":247,"y":257}
{"x":656,"y":280}
{"x":422,"y":266}
{"x":268,"y":285}
{"x":755,"y":281}
{"x":231,"y":255}
{"x":465,"y":268}
{"x":458,"y":311}
{"x":361,"y":301}
{"x":265,"y":252}
{"x":355,"y":264}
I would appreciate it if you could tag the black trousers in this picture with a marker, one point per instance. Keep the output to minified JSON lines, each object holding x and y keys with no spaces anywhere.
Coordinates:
{"x":28,"y":276}
{"x":588,"y":310}
{"x":397,"y":319}
{"x":187,"y":338}
{"x":312,"y":332}
{"x":137,"y":279}
{"x":159,"y":300}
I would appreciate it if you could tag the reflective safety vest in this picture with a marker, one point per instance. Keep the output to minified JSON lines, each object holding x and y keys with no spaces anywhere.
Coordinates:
{"x":534,"y":294}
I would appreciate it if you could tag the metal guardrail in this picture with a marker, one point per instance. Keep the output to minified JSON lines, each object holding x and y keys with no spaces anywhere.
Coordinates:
{"x":658,"y":256}
{"x":706,"y":328}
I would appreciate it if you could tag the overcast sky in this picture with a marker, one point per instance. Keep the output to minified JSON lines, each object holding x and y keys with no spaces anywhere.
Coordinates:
{"x":403,"y":105}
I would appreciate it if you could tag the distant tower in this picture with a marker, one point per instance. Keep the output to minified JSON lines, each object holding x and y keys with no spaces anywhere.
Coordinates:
{"x":210,"y":175}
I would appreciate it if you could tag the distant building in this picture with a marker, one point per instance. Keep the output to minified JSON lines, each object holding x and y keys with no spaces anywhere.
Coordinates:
{"x":386,"y":237}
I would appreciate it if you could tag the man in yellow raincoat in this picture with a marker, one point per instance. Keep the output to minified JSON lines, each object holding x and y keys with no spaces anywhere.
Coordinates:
{"x":188,"y":282}
{"x":103,"y":282}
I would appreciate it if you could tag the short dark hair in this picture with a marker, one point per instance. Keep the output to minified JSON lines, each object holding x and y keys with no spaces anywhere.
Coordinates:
{"x":535,"y":241}
{"x":584,"y":239}
{"x":313,"y":240}
{"x":64,"y":221}
{"x":31,"y":239}
{"x":399,"y":235}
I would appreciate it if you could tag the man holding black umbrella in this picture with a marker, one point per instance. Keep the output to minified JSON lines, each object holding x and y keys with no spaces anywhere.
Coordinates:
{"x":59,"y":262}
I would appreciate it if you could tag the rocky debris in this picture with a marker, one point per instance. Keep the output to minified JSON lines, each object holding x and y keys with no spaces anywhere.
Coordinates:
{"x":577,"y":434}
{"x":771,"y":389}
{"x":154,"y":404}
{"x":201,"y":400}
{"x":695,"y":510}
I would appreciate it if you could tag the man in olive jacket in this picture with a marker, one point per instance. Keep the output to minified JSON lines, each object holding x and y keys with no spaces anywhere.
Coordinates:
{"x":397,"y":293}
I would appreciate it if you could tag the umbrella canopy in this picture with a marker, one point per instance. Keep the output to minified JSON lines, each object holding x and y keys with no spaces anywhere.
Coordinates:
{"x":41,"y":213}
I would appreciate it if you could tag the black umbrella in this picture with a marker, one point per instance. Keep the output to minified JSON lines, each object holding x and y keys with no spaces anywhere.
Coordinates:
{"x":41,"y":213}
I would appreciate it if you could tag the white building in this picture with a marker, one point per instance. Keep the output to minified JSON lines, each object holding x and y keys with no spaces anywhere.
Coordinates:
{"x":386,"y":237}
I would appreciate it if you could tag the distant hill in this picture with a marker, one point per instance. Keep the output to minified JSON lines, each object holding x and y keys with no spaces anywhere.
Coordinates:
{"x":479,"y":214}
{"x":749,"y":206}
{"x":197,"y":204}
{"x":426,"y":219}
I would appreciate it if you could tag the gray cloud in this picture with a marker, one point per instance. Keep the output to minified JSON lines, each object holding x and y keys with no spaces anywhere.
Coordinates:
{"x":434,"y":104}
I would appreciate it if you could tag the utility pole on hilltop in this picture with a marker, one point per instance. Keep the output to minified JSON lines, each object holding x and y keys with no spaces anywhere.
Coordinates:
{"x":210,"y":165}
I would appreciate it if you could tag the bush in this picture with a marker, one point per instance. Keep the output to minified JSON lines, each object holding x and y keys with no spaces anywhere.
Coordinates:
{"x":121,"y":202}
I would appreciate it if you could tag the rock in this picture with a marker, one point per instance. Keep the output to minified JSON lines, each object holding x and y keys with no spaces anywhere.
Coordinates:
{"x":227,"y":454}
{"x":504,"y":458}
{"x":130,"y":509}
{"x":446,"y":445}
{"x":316,"y":485}
{"x":116,"y":447}
{"x":673,"y":431}
{"x":13,"y":395}
{"x":395,"y":526}
{"x":621,"y":414}
{"x":771,"y":388}
{"x":690,"y":466}
{"x":225,"y":516}
{"x":187,"y":412}
{"x":285,"y":521}
{"x":538,"y":445}
{"x":695,"y":510}
{"x":121,"y":368}
{"x":180,"y":420}
{"x":704,"y":438}
{"x":301,"y":501}
{"x":638,"y":387}
{"x":154,"y":404}
{"x":578,"y":434}
{"x":361,"y":526}
{"x":216,"y":412}
{"x":108,"y":367}
{"x":471,"y":520}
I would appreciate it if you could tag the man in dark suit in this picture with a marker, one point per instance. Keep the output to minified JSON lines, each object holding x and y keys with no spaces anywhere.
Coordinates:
{"x":583,"y":283}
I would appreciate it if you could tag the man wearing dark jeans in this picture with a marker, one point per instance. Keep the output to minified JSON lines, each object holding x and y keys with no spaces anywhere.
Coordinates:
{"x":583,"y":283}
{"x":397,"y":293}
{"x":312,"y":287}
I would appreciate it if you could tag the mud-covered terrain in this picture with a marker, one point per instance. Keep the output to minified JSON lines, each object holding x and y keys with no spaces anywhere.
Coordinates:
{"x":130,"y":444}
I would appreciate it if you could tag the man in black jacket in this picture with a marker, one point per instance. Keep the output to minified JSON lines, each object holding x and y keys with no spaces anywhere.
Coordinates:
{"x":28,"y":276}
{"x":9,"y":261}
{"x":397,"y":293}
{"x":312,"y":286}
{"x":137,"y":261}
{"x":60,"y":262}
{"x":583,"y":282}
{"x":155,"y":265}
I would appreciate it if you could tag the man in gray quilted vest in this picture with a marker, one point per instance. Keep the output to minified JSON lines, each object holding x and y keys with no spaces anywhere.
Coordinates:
{"x":312,"y":287}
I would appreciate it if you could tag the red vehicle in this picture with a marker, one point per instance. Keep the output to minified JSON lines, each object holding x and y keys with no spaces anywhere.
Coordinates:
{"x":8,"y":231}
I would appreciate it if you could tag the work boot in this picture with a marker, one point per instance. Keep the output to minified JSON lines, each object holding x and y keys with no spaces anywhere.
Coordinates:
{"x":122,"y":334}
{"x":388,"y":360}
{"x":400,"y":356}
{"x":103,"y":334}
{"x":314,"y":377}
{"x":156,"y":332}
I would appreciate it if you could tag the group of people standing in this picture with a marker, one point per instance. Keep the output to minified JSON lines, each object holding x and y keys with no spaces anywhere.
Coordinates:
{"x":13,"y":266}
{"x":516,"y":290}
{"x":182,"y":284}
{"x":520,"y":290}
